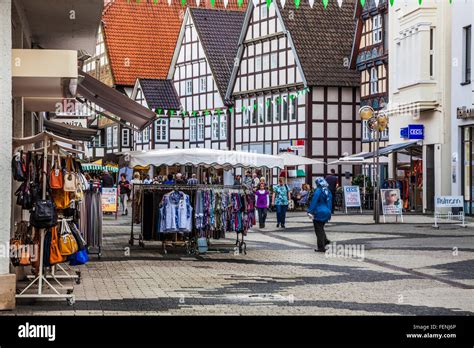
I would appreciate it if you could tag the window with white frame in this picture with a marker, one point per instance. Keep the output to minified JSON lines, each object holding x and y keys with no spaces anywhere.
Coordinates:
{"x":261,"y":109}
{"x":125,"y":137}
{"x":139,"y":137}
{"x":284,"y":107}
{"x":223,"y":126}
{"x":274,"y":60}
{"x":109,"y":137}
{"x":365,"y":131}
{"x":161,"y":130}
{"x":258,"y":64}
{"x":215,"y":127}
{"x":467,"y":46}
{"x":253,"y":111}
{"x":269,"y":109}
{"x":246,"y":114}
{"x":277,"y":108}
{"x":189,"y":87}
{"x":293,"y":107}
{"x":192,"y":129}
{"x":146,"y":135}
{"x":200,"y":128}
{"x":374,"y":81}
{"x":432,"y":38}
{"x":115,"y":136}
{"x":377,"y":29}
{"x":202,"y":84}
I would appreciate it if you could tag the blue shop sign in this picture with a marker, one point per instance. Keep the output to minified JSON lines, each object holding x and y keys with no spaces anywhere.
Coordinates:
{"x":413,"y":131}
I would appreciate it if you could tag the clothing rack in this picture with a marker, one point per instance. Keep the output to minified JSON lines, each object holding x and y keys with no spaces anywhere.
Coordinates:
{"x":189,"y":243}
{"x":41,"y":278}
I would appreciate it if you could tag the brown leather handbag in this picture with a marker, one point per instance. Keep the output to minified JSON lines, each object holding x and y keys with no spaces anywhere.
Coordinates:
{"x":70,"y":177}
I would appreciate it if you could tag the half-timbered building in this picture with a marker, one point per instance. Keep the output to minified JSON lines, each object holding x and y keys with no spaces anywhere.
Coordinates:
{"x":370,"y":58}
{"x":293,"y":82}
{"x":201,"y":69}
{"x":167,"y":130}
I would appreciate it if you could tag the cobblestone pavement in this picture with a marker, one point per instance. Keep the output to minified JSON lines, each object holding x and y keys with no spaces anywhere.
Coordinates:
{"x":392,"y":269}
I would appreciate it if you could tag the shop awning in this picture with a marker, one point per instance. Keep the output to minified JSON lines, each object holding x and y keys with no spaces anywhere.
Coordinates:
{"x":115,"y":102}
{"x":70,"y":131}
{"x":92,"y":167}
{"x":203,"y":157}
{"x":357,"y":160}
{"x":406,"y":147}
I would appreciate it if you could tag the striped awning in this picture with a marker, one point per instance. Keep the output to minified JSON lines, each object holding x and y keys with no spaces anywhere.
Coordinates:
{"x":92,"y":167}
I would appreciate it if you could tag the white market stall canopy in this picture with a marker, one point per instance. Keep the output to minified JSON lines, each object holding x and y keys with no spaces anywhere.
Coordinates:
{"x":203,"y":157}
{"x":358,"y":160}
{"x":291,"y":160}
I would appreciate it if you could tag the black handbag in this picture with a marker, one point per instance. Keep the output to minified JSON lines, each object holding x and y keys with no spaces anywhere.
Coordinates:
{"x":18,"y":167}
{"x":43,"y":214}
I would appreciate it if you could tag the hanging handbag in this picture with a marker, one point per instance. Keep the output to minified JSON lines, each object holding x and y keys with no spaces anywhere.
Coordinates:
{"x":56,"y":176}
{"x":55,"y":255}
{"x":43,"y":214}
{"x":67,"y":242}
{"x":81,"y":243}
{"x":61,"y":199}
{"x":70,"y":177}
{"x":79,"y":258}
{"x":18,"y":167}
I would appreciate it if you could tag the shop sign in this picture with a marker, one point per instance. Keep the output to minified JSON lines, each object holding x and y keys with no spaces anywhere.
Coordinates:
{"x":109,"y":199}
{"x":463,"y":112}
{"x":413,"y":132}
{"x":391,"y":202}
{"x":297,"y":145}
{"x":78,"y":122}
{"x":352,"y":196}
{"x":449,"y":201}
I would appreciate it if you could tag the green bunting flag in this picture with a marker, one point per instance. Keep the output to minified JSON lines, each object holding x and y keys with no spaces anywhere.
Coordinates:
{"x":230,"y":110}
{"x":183,"y":2}
{"x":391,"y":2}
{"x":362,"y":2}
{"x":269,"y":2}
{"x":297,"y":3}
{"x":213,"y":3}
{"x":240,"y":3}
{"x":325,"y":3}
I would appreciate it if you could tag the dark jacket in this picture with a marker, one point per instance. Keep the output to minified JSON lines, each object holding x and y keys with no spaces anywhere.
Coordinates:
{"x":107,"y":181}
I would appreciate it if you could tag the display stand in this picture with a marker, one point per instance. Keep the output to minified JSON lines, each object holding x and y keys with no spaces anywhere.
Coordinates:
{"x":444,"y":210}
{"x":189,"y":242}
{"x":41,"y":278}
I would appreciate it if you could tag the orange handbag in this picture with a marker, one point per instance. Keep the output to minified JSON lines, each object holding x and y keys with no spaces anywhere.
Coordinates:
{"x":54,"y":253}
{"x":56,"y":177}
{"x":61,"y":199}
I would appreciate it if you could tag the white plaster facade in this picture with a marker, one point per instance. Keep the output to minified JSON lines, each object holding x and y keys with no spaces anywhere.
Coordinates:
{"x":420,"y":71}
{"x":462,"y":94}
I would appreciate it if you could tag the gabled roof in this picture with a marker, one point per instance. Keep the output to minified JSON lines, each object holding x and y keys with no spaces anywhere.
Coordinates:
{"x":141,"y":37}
{"x":160,"y":94}
{"x":323,"y":41}
{"x":219,"y":31}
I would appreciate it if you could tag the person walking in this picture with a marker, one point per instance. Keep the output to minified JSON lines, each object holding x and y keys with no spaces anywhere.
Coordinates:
{"x":332,"y":181}
{"x":262,"y":197}
{"x":320,"y":211}
{"x":280,"y":199}
{"x":124,"y":190}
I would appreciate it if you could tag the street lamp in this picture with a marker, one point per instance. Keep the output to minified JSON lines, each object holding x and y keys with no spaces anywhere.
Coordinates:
{"x":376,"y":121}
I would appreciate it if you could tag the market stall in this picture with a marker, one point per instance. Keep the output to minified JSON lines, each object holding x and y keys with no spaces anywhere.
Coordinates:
{"x":193,"y":214}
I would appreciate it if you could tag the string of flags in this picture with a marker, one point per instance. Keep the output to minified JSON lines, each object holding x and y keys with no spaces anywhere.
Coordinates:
{"x":269,"y":2}
{"x":168,"y":113}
